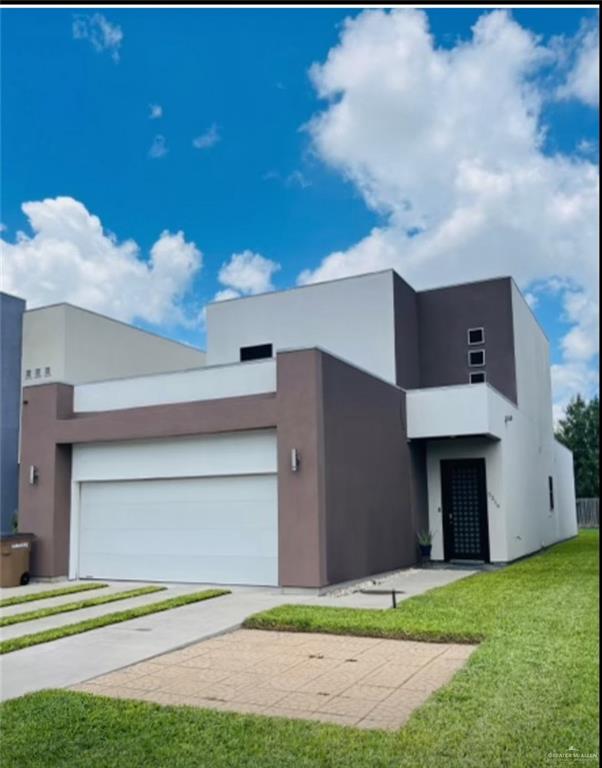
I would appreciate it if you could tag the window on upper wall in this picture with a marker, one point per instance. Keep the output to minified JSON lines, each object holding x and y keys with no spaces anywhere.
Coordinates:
{"x":38,"y":373}
{"x":257,"y":352}
{"x":551,"y":492}
{"x":476,"y":335}
{"x":28,"y":373}
{"x":476,"y":377}
{"x":47,"y":371}
{"x":476,"y":358}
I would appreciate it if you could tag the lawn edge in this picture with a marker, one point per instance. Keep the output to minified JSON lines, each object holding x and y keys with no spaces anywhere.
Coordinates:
{"x":47,"y":635}
{"x":8,"y":602}
{"x":42,"y":613}
{"x":267,"y":622}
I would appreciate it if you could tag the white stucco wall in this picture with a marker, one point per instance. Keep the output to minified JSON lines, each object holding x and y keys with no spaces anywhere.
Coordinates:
{"x":81,"y":346}
{"x":210,"y":383}
{"x":529,"y":451}
{"x":44,"y":344}
{"x":564,"y":492}
{"x":455,"y":411}
{"x":352,"y":318}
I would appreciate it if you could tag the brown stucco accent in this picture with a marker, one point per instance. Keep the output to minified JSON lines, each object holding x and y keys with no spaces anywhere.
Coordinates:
{"x":369,"y":503}
{"x":444,"y":316}
{"x":301,"y":557}
{"x":173,"y":420}
{"x":44,"y":507}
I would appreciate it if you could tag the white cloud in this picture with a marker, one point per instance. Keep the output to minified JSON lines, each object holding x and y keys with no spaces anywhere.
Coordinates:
{"x":155,"y":111}
{"x":298,"y":179}
{"x":225,"y":294}
{"x":99,"y":32}
{"x":247,"y":273}
{"x":158,"y":148}
{"x":571,"y":379}
{"x":208,"y":139}
{"x":586,"y":147}
{"x":446,"y":145}
{"x":583,"y":79}
{"x":70,"y":257}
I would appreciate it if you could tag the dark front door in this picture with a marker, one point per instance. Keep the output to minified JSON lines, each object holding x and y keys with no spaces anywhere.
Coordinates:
{"x":464,"y":498}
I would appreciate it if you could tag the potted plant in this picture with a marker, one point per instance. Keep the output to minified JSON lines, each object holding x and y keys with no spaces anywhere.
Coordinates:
{"x":425,"y":542}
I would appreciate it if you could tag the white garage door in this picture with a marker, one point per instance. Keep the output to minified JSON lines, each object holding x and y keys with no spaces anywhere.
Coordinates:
{"x":203,"y":529}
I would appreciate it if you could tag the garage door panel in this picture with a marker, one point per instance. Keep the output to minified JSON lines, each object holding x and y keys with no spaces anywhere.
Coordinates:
{"x":209,"y":570}
{"x":211,"y":529}
{"x":153,"y":543}
{"x":252,"y":514}
{"x":235,"y":487}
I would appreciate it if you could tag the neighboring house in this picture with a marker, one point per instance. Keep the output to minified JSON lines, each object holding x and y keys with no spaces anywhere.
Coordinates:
{"x":331,"y":424}
{"x":11,"y":317}
{"x":73,"y":345}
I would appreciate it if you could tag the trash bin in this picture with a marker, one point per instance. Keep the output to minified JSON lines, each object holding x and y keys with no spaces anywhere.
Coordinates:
{"x":15,"y":549}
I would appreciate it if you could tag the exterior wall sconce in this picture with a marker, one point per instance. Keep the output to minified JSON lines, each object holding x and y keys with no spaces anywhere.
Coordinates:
{"x":33,"y":475}
{"x":295,"y":460}
{"x":507,"y":419}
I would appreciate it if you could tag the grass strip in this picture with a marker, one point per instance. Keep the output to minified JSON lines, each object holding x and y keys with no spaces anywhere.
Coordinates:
{"x":33,"y":596}
{"x":42,"y":613}
{"x":25,"y":641}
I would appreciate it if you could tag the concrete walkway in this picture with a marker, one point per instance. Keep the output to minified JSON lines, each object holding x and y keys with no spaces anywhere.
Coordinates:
{"x":82,"y":614}
{"x":72,"y":660}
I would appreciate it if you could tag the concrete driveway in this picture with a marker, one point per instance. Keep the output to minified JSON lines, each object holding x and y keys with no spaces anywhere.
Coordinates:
{"x":72,"y":660}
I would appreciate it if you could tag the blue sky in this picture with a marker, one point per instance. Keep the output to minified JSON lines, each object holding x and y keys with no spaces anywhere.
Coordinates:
{"x":76,"y":123}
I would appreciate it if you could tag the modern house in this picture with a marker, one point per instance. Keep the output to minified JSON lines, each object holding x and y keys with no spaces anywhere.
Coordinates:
{"x":330,"y":424}
{"x":11,"y":319}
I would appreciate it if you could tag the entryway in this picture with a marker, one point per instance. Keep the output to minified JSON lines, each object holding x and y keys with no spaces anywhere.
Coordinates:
{"x":464,"y":507}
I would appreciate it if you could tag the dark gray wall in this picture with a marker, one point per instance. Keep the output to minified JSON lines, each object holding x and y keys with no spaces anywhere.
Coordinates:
{"x":11,"y":323}
{"x":368,"y":484}
{"x":407,"y":361}
{"x":444,"y":316}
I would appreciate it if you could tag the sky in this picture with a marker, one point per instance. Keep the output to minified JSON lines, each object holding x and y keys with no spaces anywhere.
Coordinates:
{"x":154,"y":160}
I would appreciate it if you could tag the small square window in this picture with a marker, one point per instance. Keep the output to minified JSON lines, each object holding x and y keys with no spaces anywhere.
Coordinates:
{"x":476,"y":335}
{"x":47,"y":371}
{"x":477,"y":377}
{"x":476,"y":357}
{"x":38,"y":373}
{"x":28,"y":373}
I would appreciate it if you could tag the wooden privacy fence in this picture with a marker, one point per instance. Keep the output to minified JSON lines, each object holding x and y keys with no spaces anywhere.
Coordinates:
{"x":588,"y":513}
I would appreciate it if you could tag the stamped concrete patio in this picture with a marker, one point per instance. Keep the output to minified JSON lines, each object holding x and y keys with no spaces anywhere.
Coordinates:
{"x":358,"y":681}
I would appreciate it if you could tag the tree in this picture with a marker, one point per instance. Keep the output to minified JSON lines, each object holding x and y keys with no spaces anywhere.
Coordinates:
{"x":580,"y":432}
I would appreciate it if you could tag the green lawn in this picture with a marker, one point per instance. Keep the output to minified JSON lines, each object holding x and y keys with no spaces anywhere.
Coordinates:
{"x":529,"y":690}
{"x":46,"y":635}
{"x":32,"y":597}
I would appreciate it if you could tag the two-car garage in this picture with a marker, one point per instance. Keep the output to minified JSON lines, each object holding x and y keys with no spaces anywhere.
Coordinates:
{"x":202,"y":509}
